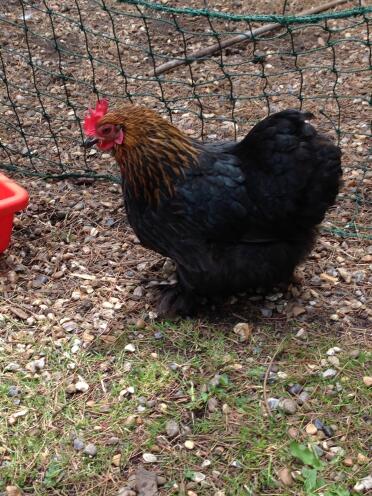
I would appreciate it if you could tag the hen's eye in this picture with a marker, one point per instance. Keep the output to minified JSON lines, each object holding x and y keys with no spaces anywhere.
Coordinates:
{"x":106,"y":130}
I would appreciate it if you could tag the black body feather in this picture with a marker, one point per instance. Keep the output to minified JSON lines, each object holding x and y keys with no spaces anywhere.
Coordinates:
{"x":245,"y":216}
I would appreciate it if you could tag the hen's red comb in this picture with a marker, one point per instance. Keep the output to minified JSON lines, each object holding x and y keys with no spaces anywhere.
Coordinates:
{"x":93,"y":116}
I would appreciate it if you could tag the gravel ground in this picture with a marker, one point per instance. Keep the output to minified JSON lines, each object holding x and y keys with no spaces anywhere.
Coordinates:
{"x":73,"y":252}
{"x":77,"y":222}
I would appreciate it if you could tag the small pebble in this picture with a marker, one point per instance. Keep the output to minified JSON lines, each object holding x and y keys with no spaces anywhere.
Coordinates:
{"x":272,"y":378}
{"x":39,"y":281}
{"x":282,"y":375}
{"x":140,"y":324}
{"x":172,"y":428}
{"x":298,"y":310}
{"x":81,"y":386}
{"x":333,"y":351}
{"x":318,"y":450}
{"x":362,"y":459}
{"x":363,"y":485}
{"x":236,"y":464}
{"x":116,"y":459}
{"x":212,"y":405}
{"x":330,"y":456}
{"x":328,"y":431}
{"x":130,"y":420}
{"x":333,"y":360}
{"x":348,"y":462}
{"x":339,"y":387}
{"x":125,"y":491}
{"x":337,"y":450}
{"x":293,"y":432}
{"x":285,"y":476}
{"x":311,"y":429}
{"x":303,"y":397}
{"x":198,"y":477}
{"x":161,"y":481}
{"x":367,"y":380}
{"x":12,"y":491}
{"x":218,"y":450}
{"x":329,"y":373}
{"x":70,"y":326}
{"x":149,"y":458}
{"x":12,"y":367}
{"x":75,"y":349}
{"x":138,"y":292}
{"x":36,"y":365}
{"x":14,"y":391}
{"x":70,"y":389}
{"x":295,"y":389}
{"x":273,"y":403}
{"x":318,"y":424}
{"x":243,"y":330}
{"x":288,"y":406}
{"x":130,"y":348}
{"x":127,"y":367}
{"x":113,"y":441}
{"x":354,"y":354}
{"x":266,"y":312}
{"x":90,"y":449}
{"x":78,"y":444}
{"x":168,"y":267}
{"x":215,"y":381}
{"x":105,"y":408}
{"x":189,"y":444}
{"x":302,"y":334}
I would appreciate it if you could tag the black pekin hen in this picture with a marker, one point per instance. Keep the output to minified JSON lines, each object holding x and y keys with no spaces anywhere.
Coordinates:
{"x":233,"y":216}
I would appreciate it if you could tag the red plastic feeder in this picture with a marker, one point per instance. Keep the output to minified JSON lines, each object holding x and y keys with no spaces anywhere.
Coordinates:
{"x":12,"y":199}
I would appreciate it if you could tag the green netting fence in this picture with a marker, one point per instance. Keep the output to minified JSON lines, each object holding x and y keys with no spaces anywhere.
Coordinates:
{"x":212,"y":68}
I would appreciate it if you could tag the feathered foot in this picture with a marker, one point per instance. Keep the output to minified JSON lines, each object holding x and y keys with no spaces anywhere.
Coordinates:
{"x":174,"y":301}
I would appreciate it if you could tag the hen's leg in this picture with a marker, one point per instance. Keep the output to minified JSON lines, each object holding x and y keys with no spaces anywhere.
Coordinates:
{"x":175,"y":301}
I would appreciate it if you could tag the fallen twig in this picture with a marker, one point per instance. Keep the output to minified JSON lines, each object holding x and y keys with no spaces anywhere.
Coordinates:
{"x":246,"y":36}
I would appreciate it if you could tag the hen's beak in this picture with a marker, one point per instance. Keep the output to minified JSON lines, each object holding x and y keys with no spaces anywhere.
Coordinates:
{"x":89,"y":142}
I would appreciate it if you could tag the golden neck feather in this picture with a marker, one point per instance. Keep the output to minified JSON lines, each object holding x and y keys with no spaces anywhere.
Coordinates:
{"x":154,"y":152}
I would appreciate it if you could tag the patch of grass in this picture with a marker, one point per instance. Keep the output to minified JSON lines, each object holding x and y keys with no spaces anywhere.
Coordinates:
{"x":245,"y":448}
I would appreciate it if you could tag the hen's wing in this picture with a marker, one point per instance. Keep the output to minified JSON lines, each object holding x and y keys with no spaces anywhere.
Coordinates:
{"x":292,"y":172}
{"x":210,"y":205}
{"x":212,"y":201}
